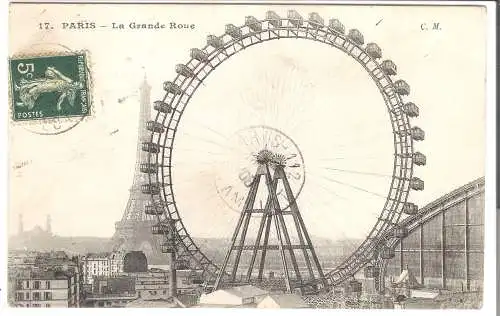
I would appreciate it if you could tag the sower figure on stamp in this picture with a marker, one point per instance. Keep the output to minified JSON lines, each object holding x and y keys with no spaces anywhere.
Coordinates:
{"x":54,"y":81}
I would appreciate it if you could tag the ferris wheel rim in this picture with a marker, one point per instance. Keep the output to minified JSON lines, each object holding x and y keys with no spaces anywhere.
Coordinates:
{"x":401,"y":175}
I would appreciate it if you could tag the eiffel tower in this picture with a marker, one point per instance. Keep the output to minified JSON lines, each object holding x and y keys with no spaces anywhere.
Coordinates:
{"x":133,"y":231}
{"x":290,"y":251}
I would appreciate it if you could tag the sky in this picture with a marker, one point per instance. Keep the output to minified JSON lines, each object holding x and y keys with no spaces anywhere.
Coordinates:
{"x":321,"y":102}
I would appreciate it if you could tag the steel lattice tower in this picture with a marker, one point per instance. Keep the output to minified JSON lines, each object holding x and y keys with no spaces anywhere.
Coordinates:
{"x":289,"y":250}
{"x":133,"y":231}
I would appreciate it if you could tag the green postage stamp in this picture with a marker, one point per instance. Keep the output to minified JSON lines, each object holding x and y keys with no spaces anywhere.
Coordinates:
{"x":44,"y":87}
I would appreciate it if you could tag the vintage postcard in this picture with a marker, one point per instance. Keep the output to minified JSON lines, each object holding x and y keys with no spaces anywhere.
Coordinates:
{"x":257,"y":155}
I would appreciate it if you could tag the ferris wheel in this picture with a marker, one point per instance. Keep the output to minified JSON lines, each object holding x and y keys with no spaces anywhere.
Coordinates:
{"x":165,"y":128}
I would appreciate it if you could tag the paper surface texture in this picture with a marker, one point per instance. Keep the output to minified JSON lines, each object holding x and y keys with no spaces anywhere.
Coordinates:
{"x":247,"y":156}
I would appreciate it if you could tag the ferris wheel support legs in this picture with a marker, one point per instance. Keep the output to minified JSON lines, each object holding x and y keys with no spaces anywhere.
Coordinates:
{"x":274,"y":210}
{"x":271,"y":212}
{"x":257,"y":241}
{"x":253,"y":192}
{"x":301,"y":229}
{"x":281,"y":220}
{"x":264,"y":250}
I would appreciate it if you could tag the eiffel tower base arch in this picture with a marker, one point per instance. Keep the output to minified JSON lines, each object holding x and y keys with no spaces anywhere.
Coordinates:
{"x":136,"y":236}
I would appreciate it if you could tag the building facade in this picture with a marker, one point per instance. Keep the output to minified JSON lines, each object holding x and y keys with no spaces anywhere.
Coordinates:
{"x":44,"y":279}
{"x":445,"y":250}
{"x":47,"y":289}
{"x":101,"y":264}
{"x":152,"y":285}
{"x":116,"y":263}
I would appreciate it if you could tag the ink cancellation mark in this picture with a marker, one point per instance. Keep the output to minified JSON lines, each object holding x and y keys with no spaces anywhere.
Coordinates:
{"x":232,"y":187}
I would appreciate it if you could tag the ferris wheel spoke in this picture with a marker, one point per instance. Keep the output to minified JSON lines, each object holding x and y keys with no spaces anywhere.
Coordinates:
{"x":207,"y":140}
{"x":252,"y":147}
{"x":224,"y":146}
{"x":253,"y":108}
{"x":187,"y":162}
{"x":271,"y":105}
{"x":267,"y":138}
{"x":208,"y":198}
{"x":292,"y":112}
{"x":208,"y":128}
{"x":349,"y":158}
{"x":198,"y":150}
{"x":362,"y":135}
{"x":360,"y":140}
{"x":360,"y":172}
{"x":300,"y":123}
{"x":328,"y":203}
{"x":320,"y":199}
{"x":327,"y":189}
{"x":193,"y":179}
{"x":352,"y":186}
{"x":373,"y":213}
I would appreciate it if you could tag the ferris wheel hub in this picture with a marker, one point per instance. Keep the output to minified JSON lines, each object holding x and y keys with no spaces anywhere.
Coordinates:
{"x":272,"y":158}
{"x":264,"y":156}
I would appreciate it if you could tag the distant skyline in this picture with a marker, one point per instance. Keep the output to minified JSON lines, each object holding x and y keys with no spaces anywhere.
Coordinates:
{"x":47,"y":226}
{"x":82,"y":177}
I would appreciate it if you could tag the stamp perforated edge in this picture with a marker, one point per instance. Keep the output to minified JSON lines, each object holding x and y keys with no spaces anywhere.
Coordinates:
{"x":74,"y":119}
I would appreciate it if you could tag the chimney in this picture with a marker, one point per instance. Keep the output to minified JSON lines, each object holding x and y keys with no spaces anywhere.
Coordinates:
{"x":48,"y":225}
{"x":21,"y":224}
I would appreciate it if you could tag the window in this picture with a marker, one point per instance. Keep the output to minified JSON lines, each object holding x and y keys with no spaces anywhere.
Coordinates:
{"x":27,"y":284}
{"x":37,"y":285}
{"x":20,"y":296}
{"x":35,"y":305}
{"x":47,"y":305}
{"x":27,"y":295}
{"x":36,"y":296}
{"x":47,"y":284}
{"x":47,"y":296}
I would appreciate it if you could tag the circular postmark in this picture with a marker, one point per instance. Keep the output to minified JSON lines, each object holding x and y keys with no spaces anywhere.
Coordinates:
{"x":50,"y":88}
{"x":235,"y":176}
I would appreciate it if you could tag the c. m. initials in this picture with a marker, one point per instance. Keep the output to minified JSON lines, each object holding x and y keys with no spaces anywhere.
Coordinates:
{"x":431,"y":26}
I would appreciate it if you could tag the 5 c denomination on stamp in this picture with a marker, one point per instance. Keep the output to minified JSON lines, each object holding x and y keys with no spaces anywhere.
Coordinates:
{"x":49,"y":87}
